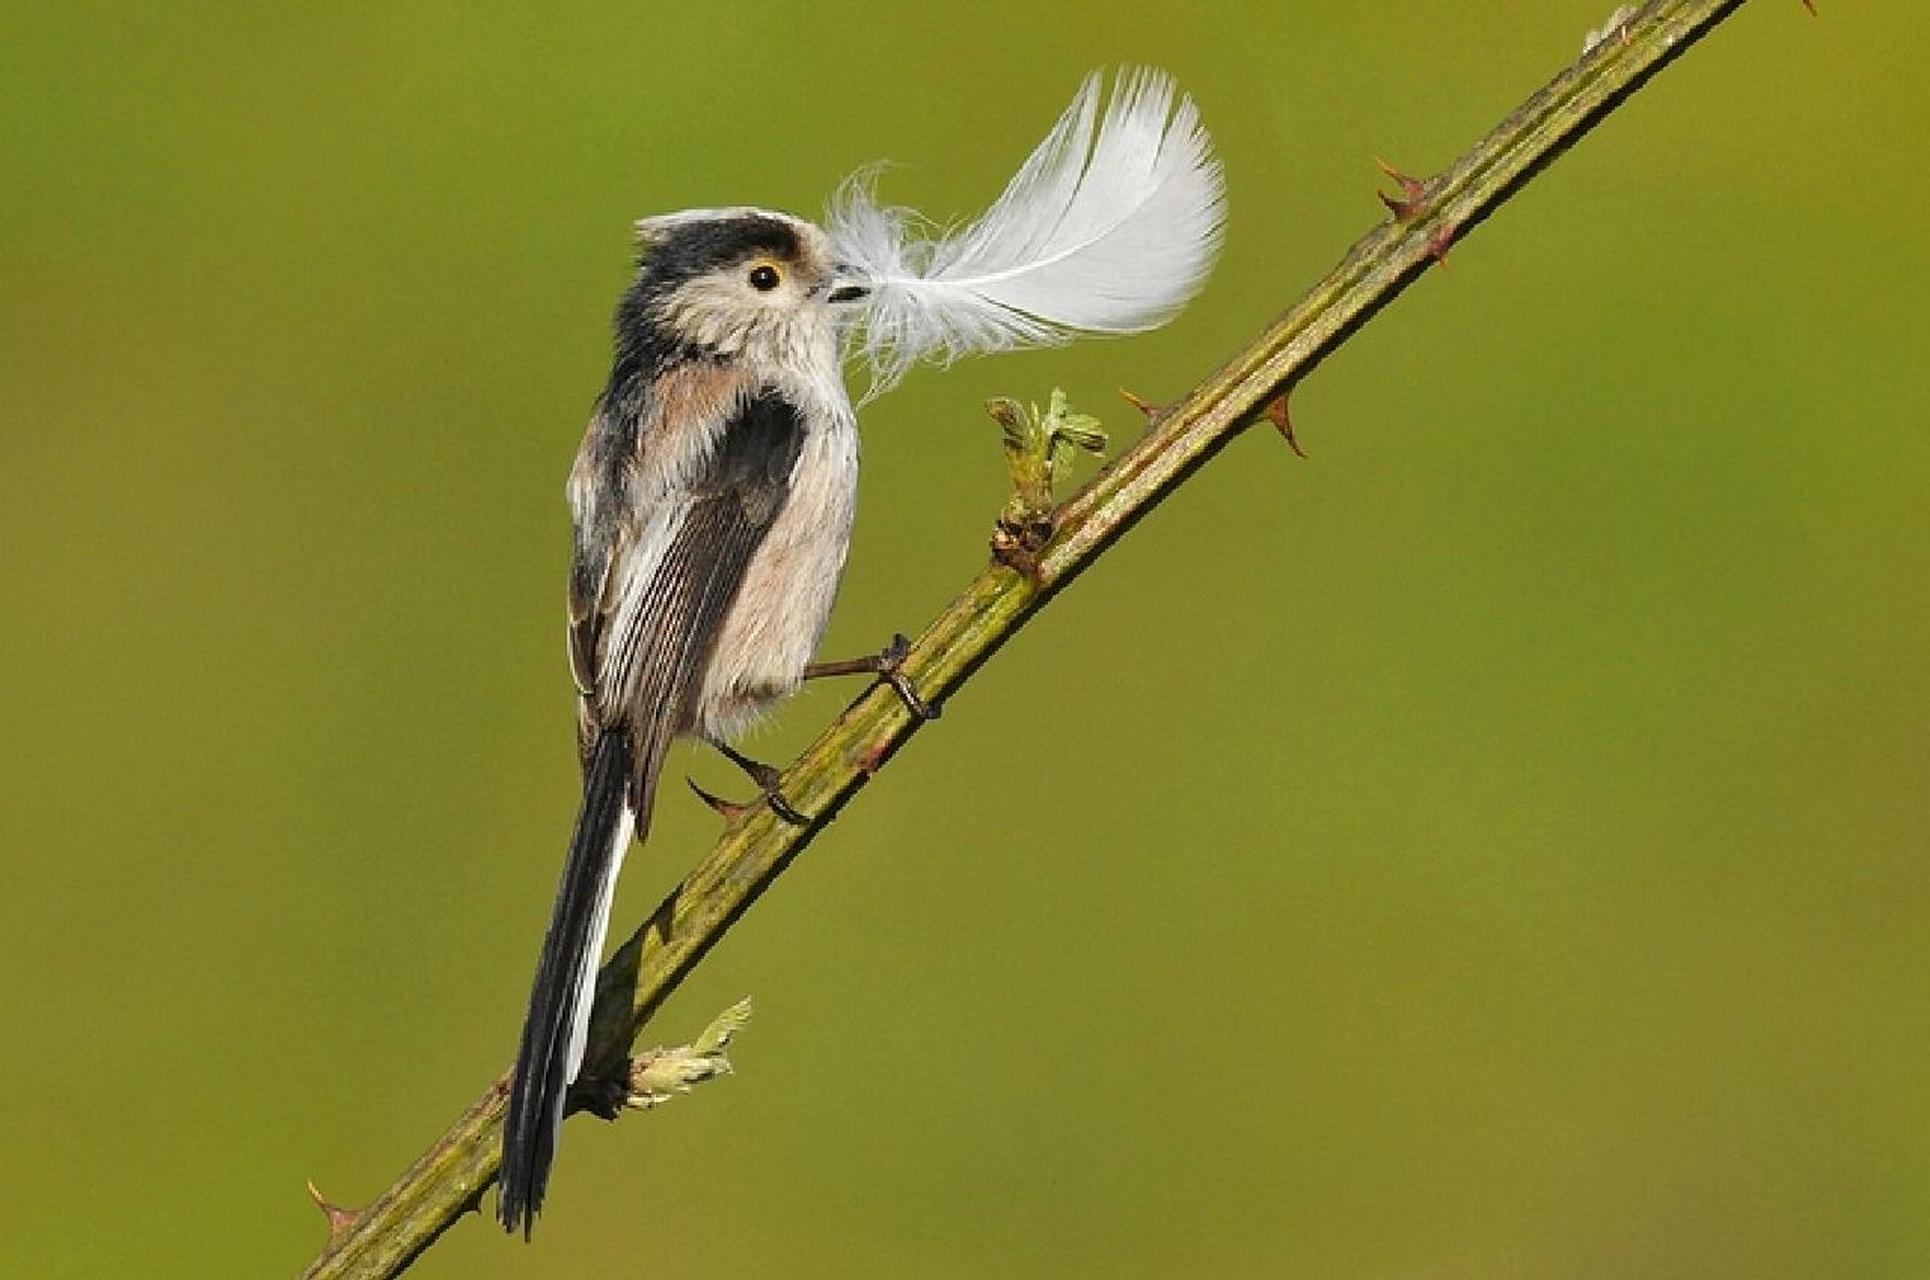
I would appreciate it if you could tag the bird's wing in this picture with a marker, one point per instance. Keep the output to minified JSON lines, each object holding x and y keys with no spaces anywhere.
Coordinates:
{"x":651,"y":587}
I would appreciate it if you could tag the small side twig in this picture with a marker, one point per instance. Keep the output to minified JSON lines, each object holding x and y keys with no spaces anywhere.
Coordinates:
{"x":658,"y":1075}
{"x":1038,"y":445}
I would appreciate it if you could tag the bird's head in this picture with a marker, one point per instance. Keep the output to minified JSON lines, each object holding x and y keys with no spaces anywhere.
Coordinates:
{"x":743,"y":283}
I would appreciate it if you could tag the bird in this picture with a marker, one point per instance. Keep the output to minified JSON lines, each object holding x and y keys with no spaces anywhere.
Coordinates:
{"x":714,"y":492}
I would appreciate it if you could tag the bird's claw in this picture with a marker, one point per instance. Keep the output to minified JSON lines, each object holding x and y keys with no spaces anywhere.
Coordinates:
{"x":891,"y":669}
{"x":733,"y":811}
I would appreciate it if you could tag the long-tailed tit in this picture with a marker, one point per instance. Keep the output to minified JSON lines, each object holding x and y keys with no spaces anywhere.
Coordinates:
{"x":714,"y":491}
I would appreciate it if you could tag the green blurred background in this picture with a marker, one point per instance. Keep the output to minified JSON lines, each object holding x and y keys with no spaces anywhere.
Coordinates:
{"x":1496,"y":847}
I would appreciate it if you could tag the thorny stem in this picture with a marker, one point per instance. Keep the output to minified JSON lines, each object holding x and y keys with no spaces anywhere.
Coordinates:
{"x":451,"y":1176}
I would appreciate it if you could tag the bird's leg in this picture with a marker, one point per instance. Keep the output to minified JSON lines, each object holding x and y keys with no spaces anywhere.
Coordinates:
{"x":889,"y":666}
{"x":763,"y":775}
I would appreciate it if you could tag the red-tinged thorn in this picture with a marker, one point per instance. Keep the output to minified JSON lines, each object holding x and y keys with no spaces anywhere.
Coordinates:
{"x":1409,"y":184}
{"x":1277,"y":413}
{"x":873,"y":760}
{"x":1440,"y":242}
{"x":1142,"y":404}
{"x":728,"y":810}
{"x":339,"y":1219}
{"x":1412,"y":189}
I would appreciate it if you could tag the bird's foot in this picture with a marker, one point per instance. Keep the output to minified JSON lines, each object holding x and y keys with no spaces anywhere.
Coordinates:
{"x":888,"y":664}
{"x":767,"y":779}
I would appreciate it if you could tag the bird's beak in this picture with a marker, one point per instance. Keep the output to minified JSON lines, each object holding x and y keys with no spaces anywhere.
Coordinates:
{"x":847,"y":286}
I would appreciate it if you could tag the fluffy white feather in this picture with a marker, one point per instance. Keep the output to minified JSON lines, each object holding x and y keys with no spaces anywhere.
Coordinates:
{"x":1110,"y":227}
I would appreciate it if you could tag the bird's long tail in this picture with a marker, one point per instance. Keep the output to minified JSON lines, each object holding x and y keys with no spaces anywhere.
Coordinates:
{"x":557,"y":1027}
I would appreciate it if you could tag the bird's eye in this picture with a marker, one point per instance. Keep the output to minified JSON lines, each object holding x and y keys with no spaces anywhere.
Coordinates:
{"x":764,"y":277}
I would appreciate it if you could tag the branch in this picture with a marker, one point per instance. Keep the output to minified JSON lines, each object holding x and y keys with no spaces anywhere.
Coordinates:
{"x":450,"y":1178}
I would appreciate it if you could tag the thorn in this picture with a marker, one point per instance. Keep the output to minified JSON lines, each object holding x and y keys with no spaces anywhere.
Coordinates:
{"x":728,"y":810}
{"x":1145,"y":406}
{"x":1439,"y":243}
{"x":874,"y":759}
{"x":1412,"y":191}
{"x":339,"y":1219}
{"x":1616,"y":26}
{"x":1276,"y":413}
